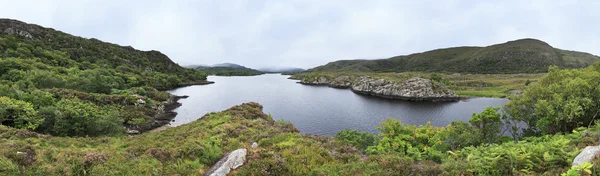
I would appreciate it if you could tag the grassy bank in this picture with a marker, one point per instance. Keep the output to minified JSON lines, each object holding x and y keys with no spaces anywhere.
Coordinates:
{"x":465,"y":85}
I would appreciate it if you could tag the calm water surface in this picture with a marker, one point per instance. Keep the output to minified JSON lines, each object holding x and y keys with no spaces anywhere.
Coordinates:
{"x":318,"y":110}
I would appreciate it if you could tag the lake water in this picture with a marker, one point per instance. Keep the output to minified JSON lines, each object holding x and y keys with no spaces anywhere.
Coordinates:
{"x":318,"y":110}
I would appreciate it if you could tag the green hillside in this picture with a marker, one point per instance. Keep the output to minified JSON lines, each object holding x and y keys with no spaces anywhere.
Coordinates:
{"x":228,"y":69}
{"x":519,"y":56}
{"x":56,"y":83}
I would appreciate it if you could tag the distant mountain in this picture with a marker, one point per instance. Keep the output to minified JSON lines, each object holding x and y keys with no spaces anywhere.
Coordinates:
{"x":282,"y":70}
{"x":230,"y":65}
{"x":519,"y":56}
{"x":227,"y":69}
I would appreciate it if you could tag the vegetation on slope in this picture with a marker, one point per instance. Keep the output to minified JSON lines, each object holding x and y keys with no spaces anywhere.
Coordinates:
{"x":228,"y":69}
{"x":191,"y":149}
{"x":519,"y":56}
{"x":285,"y":70}
{"x":52,"y":82}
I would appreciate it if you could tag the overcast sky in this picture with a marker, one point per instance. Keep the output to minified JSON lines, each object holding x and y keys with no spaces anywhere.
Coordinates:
{"x":308,"y":33}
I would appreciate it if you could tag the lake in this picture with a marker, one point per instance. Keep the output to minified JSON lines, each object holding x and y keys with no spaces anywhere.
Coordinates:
{"x":318,"y":110}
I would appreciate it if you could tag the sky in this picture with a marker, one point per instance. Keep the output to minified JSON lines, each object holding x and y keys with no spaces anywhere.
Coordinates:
{"x":308,"y":33}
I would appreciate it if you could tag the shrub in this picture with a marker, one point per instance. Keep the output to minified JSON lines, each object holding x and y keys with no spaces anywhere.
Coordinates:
{"x":18,"y":114}
{"x":362,"y":140}
{"x":78,"y":118}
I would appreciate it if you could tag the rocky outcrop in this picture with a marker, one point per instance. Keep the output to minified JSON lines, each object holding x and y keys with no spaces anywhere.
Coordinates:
{"x":414,"y":89}
{"x":320,"y":80}
{"x":230,"y":161}
{"x":163,"y":114}
{"x":587,"y":155}
{"x":342,"y":82}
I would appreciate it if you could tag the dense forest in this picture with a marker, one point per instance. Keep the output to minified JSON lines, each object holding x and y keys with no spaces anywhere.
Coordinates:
{"x":519,"y":56}
{"x":55,"y":83}
{"x":228,"y":71}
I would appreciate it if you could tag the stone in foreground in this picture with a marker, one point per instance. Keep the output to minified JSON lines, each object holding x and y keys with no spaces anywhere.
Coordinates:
{"x":587,"y":155}
{"x":230,"y":161}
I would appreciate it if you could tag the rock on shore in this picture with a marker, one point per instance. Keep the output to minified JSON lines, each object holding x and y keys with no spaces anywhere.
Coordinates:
{"x":414,"y":89}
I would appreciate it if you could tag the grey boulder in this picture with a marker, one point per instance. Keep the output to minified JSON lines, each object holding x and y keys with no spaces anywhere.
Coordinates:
{"x":230,"y":161}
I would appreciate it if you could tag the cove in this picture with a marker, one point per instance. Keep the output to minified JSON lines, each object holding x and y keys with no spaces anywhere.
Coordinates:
{"x":318,"y":110}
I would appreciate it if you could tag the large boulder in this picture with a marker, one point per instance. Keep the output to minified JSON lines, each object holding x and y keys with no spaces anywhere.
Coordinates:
{"x":414,"y":89}
{"x":230,"y":161}
{"x":587,"y":155}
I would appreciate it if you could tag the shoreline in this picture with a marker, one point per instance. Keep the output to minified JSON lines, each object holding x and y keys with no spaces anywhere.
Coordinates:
{"x":164,"y":113}
{"x":185,"y":85}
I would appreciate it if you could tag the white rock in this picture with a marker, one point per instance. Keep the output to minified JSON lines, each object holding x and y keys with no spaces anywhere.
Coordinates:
{"x":587,"y":155}
{"x":230,"y":161}
{"x":254,"y":145}
{"x":133,"y":132}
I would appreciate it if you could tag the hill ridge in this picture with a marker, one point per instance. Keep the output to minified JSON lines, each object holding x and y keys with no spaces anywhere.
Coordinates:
{"x":526,"y":55}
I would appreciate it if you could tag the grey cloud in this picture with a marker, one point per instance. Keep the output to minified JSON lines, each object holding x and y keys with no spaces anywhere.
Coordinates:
{"x":307,"y":33}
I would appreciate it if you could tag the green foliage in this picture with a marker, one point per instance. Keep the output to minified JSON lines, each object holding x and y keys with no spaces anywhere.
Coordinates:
{"x":459,"y":134}
{"x":51,"y":69}
{"x":362,"y":140}
{"x":489,"y":124}
{"x":533,"y":155}
{"x":78,"y":118}
{"x":191,"y":149}
{"x":18,"y":114}
{"x":435,"y":77}
{"x":7,"y":167}
{"x":419,"y":143}
{"x":228,"y":71}
{"x":559,"y":102}
{"x":583,"y":169}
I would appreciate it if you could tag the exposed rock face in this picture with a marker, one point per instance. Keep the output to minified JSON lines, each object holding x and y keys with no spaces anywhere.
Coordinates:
{"x":587,"y":155}
{"x":17,"y":28}
{"x":230,"y":161}
{"x":342,"y":82}
{"x":414,"y":89}
{"x":321,"y":80}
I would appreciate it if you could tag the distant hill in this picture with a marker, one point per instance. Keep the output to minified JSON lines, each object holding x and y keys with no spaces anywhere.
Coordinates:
{"x":282,"y":70}
{"x":519,"y":56}
{"x":228,"y":69}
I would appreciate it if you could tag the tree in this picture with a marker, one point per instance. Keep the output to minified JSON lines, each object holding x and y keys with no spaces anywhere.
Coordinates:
{"x":489,"y":123}
{"x":79,"y":118}
{"x":560,"y":102}
{"x":460,"y":134}
{"x":361,"y":140}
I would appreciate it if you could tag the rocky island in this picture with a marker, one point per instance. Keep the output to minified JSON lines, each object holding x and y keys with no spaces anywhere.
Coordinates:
{"x":413,"y":89}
